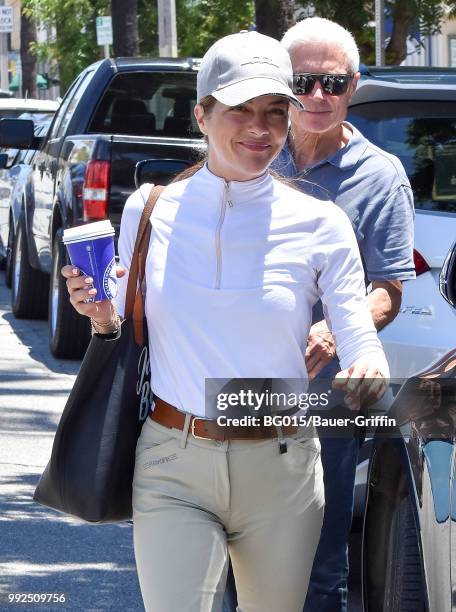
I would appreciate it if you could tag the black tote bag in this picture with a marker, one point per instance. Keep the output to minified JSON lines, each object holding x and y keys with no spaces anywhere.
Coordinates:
{"x":90,"y":472}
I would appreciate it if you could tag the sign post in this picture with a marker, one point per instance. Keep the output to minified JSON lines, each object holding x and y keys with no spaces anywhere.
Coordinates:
{"x":6,"y":26}
{"x":104,"y":33}
{"x":379,"y":32}
{"x":167,"y":33}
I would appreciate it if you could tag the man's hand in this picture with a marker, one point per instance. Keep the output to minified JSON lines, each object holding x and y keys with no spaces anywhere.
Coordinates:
{"x":363,"y":382}
{"x":321,"y":349}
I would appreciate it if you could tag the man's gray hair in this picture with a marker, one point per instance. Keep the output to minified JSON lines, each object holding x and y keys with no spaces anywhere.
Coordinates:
{"x":320,"y":30}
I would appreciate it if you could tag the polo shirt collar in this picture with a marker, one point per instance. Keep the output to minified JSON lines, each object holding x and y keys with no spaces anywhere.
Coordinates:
{"x":347,"y":157}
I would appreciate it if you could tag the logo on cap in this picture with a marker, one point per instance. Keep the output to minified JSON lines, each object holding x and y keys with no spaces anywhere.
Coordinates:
{"x":260,"y":59}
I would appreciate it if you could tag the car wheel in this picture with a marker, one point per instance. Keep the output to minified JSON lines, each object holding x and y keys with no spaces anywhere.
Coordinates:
{"x":29,"y":286}
{"x":9,"y":256}
{"x":69,"y":332}
{"x":404,"y":584}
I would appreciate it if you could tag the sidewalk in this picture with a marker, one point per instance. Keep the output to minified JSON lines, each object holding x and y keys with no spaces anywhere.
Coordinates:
{"x":42,"y":551}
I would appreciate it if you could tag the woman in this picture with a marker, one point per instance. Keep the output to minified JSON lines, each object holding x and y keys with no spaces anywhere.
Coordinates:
{"x":236,"y":260}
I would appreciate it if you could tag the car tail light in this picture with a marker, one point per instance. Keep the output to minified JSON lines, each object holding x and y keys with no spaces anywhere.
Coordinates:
{"x":421,"y":265}
{"x":95,"y":192}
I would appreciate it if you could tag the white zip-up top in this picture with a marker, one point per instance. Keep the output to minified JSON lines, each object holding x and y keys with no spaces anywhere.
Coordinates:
{"x":232,"y":273}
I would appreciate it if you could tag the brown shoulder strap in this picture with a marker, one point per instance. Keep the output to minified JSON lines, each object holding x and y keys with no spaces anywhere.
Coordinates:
{"x":134,"y":305}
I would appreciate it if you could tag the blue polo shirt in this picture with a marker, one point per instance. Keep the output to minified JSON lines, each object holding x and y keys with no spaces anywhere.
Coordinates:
{"x":372,"y":188}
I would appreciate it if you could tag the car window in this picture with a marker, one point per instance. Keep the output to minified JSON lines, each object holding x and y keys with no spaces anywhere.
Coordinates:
{"x":62,"y":108}
{"x":148,"y":104}
{"x":423,"y":135}
{"x":40,"y":130}
{"x":13,"y":154}
{"x":20,"y":157}
{"x":38,"y":117}
{"x":30,"y":154}
{"x":71,"y":94}
{"x":82,"y":86}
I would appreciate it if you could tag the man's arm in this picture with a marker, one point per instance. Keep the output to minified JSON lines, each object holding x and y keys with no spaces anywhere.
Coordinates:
{"x":384,"y":303}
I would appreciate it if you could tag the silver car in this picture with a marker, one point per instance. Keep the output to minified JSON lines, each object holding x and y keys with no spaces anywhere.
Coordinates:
{"x":15,"y":168}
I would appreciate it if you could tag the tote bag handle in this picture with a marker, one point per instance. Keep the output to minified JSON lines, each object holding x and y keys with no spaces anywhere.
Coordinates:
{"x":134,"y":303}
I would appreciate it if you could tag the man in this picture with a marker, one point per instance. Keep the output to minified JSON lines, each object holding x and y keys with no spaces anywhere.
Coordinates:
{"x":331,"y":159}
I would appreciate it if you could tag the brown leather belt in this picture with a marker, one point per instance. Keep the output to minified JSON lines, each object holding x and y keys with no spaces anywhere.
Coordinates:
{"x":206,"y":429}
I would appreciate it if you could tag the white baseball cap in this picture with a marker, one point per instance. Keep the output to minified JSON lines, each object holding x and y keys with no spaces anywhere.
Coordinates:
{"x":243,"y":66}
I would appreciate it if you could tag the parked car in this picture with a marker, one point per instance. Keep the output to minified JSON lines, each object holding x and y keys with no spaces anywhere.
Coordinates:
{"x":412,"y":114}
{"x":409,"y":535}
{"x":116,"y":114}
{"x":15,"y":168}
{"x":40,"y":110}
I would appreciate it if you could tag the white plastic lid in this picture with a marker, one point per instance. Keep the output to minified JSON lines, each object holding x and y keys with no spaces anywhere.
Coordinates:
{"x":98,"y":229}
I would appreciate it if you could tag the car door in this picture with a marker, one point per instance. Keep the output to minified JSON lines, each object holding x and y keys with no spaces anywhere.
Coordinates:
{"x":420,"y":133}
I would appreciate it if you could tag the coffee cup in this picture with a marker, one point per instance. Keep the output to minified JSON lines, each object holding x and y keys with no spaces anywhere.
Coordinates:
{"x":91,"y":250}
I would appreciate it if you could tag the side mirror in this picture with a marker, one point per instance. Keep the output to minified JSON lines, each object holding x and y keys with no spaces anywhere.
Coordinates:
{"x":447,"y":280}
{"x":158,"y":171}
{"x":16,"y":133}
{"x":3,"y":160}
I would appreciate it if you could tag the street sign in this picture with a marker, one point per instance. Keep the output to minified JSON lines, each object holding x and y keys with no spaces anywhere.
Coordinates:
{"x":104,"y":30}
{"x":6,"y":19}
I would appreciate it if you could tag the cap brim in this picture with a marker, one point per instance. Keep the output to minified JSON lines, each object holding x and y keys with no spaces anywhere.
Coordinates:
{"x":245,"y":90}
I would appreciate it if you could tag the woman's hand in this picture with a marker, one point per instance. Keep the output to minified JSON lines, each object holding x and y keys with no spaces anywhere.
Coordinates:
{"x":80,"y":290}
{"x":363,"y":382}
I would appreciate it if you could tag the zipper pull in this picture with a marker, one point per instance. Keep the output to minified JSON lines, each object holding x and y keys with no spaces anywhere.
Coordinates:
{"x":230,"y":203}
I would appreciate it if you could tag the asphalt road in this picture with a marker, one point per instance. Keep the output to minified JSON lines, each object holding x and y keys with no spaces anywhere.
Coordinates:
{"x":42,"y":551}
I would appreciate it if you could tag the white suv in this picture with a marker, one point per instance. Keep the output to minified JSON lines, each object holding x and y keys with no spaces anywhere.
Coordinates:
{"x":412,"y":114}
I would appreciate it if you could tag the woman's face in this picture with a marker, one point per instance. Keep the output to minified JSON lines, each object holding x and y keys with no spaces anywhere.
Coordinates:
{"x":244,"y":139}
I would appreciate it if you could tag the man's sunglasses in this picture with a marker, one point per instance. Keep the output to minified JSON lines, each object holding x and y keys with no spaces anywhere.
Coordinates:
{"x":333,"y":84}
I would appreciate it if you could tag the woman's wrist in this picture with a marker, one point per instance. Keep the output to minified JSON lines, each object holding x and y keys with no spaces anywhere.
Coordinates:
{"x":106,"y":327}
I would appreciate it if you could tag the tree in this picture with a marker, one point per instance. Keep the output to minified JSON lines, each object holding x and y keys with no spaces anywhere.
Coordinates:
{"x":274,"y":17}
{"x":135,"y":28}
{"x":125,"y":27}
{"x":148,"y":27}
{"x":28,"y":59}
{"x":74,"y":45}
{"x":201,"y":22}
{"x":407,"y":17}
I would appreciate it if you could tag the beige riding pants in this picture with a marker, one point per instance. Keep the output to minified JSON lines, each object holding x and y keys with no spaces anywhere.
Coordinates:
{"x":195,"y":500}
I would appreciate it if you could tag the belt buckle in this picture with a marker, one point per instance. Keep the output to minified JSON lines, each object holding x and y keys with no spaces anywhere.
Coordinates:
{"x":193,"y":429}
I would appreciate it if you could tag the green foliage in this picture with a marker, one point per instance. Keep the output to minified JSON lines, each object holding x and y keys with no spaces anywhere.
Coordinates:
{"x":423,"y":16}
{"x":148,"y":27}
{"x":429,"y":15}
{"x":74,"y":45}
{"x":202,"y":22}
{"x":199,"y":24}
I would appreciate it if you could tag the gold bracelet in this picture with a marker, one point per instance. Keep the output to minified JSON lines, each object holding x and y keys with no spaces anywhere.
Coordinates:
{"x":115,"y":321}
